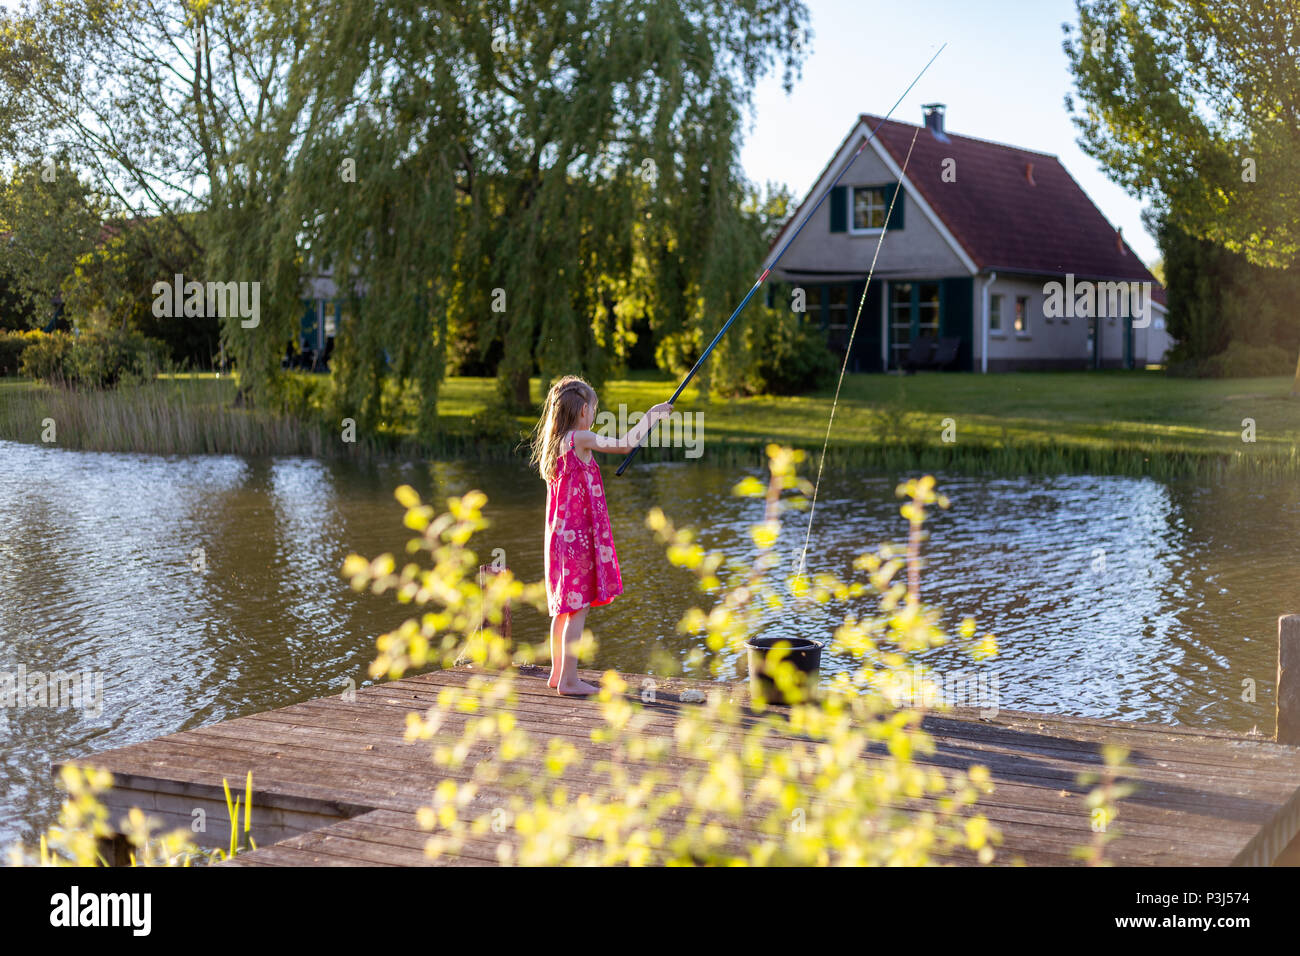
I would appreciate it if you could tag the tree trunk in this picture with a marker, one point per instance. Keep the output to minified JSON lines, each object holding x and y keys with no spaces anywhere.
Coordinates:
{"x":512,"y":386}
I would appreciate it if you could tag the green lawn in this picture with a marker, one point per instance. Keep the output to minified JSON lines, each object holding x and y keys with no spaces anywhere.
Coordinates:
{"x":1114,"y":421}
{"x":1017,"y":421}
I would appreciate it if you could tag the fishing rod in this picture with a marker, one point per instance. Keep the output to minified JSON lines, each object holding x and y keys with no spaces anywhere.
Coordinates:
{"x":786,"y":245}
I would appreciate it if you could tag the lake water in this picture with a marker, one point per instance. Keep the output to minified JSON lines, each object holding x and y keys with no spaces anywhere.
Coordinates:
{"x":200,"y":589}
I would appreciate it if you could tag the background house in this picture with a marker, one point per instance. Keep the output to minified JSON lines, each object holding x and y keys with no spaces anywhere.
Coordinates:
{"x":324,"y":309}
{"x":979,"y":231}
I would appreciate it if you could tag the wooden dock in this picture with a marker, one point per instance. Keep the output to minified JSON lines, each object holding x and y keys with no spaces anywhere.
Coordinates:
{"x":336,"y":784}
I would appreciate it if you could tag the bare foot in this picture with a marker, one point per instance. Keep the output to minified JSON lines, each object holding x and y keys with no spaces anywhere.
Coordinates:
{"x":553,"y":681}
{"x":579,"y":689}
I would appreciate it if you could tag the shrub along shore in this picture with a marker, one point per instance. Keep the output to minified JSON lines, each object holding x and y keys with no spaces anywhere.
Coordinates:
{"x":1129,"y":423}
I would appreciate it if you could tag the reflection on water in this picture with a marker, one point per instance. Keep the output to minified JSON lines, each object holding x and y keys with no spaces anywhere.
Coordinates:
{"x":206,"y":588}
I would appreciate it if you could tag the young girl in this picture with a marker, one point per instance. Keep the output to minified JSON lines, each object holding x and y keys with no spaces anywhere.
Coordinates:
{"x":581,"y":566}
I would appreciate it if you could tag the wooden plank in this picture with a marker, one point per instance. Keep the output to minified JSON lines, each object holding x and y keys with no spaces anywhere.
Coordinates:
{"x":1280,"y":778}
{"x":739,"y":690}
{"x":1213,"y":751}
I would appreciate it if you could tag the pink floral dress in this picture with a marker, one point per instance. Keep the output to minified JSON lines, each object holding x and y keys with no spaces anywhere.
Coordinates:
{"x":581,"y":566}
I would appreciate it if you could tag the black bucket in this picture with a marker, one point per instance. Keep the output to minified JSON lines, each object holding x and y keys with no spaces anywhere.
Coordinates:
{"x":804,"y":653}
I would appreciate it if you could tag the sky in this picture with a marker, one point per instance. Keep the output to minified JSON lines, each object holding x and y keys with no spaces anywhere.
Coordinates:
{"x":1003,"y":76}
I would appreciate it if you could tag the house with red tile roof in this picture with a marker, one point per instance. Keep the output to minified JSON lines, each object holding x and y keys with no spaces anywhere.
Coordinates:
{"x":992,"y":259}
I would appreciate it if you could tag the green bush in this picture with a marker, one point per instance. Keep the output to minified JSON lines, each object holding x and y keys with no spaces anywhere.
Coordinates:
{"x":93,"y":359}
{"x":302,"y":395}
{"x":1240,"y":360}
{"x":12,"y":347}
{"x":779,"y":353}
{"x":47,"y":358}
{"x":678,"y":351}
{"x":494,"y":425}
{"x":793,"y":357}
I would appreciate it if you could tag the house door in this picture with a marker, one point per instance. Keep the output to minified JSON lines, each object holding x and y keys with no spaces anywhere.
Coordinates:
{"x":866,"y":341}
{"x":914,"y":310}
{"x":840,"y":304}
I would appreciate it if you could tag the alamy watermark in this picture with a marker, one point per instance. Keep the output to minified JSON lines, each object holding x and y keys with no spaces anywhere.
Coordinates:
{"x":677,"y":430}
{"x":195,"y":299}
{"x":932,"y":690}
{"x":81,"y":689}
{"x":1105,"y":300}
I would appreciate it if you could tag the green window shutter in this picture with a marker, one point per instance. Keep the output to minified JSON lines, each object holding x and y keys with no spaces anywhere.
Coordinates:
{"x":839,"y":209}
{"x":895,"y":217}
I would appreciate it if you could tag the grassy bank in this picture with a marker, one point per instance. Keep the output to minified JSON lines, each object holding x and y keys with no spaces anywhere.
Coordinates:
{"x":1014,"y":423}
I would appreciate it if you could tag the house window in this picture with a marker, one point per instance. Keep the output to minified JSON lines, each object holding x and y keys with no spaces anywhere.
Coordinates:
{"x":1022,"y":315}
{"x":995,"y":313}
{"x":900,"y":319}
{"x":868,"y":208}
{"x":812,"y":303}
{"x":927,"y":310}
{"x":837,"y":318}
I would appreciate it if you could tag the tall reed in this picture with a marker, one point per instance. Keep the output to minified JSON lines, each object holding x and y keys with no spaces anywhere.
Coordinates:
{"x":166,"y":416}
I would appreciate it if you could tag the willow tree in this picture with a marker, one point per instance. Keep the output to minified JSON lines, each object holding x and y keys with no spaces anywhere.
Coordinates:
{"x":504,"y":167}
{"x":174,"y":109}
{"x":1194,"y":103}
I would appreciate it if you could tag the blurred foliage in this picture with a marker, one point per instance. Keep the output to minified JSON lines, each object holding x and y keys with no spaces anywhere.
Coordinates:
{"x":1240,"y":360}
{"x":111,"y":289}
{"x":13,"y":345}
{"x":1103,"y":803}
{"x":48,"y":358}
{"x":75,"y":840}
{"x":52,"y":216}
{"x":1225,"y":311}
{"x":16,"y":313}
{"x":94,"y":360}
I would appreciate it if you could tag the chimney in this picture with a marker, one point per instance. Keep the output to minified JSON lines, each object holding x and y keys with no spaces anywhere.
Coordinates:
{"x":1029,"y":173}
{"x":934,"y":120}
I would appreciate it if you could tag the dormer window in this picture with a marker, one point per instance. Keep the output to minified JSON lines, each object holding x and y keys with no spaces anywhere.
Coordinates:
{"x":862,"y":210}
{"x":869,"y":205}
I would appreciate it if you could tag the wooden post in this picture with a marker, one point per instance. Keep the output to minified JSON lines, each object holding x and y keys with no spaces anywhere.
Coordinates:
{"x":483,"y":571}
{"x":1288,"y":680}
{"x":115,"y":849}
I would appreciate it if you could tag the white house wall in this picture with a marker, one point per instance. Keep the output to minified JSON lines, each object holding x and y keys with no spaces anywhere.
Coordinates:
{"x":1151,"y":345}
{"x":1046,"y":343}
{"x":1060,"y":341}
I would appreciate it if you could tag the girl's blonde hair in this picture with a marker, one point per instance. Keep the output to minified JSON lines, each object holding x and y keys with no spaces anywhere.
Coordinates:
{"x":560,"y":415}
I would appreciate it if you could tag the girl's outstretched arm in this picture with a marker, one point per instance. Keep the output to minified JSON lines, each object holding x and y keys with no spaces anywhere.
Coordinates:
{"x":635,"y":435}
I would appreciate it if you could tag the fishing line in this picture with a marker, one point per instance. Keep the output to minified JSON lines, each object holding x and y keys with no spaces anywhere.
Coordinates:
{"x":803,"y":557}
